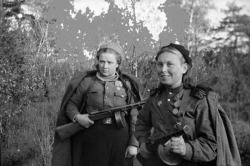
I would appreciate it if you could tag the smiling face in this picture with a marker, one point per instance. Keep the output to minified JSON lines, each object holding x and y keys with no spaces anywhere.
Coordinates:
{"x":170,"y":68}
{"x":107,"y":64}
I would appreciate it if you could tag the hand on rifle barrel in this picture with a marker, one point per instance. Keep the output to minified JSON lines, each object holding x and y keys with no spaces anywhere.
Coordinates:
{"x":83,"y":119}
{"x":178,"y":145}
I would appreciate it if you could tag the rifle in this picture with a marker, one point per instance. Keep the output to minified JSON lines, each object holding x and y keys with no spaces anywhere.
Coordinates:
{"x":70,"y":129}
{"x":162,"y":147}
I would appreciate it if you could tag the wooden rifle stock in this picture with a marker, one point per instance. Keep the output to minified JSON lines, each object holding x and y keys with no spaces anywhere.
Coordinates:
{"x":70,"y":129}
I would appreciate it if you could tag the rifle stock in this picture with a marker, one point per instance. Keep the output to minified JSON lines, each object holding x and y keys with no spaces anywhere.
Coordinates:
{"x":70,"y":129}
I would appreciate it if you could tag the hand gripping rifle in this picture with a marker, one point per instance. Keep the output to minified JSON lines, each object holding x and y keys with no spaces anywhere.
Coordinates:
{"x":68,"y":130}
{"x":163,"y":148}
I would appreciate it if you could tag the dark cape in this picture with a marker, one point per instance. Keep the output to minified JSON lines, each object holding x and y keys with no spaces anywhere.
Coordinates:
{"x":227,"y":149}
{"x":61,"y":152}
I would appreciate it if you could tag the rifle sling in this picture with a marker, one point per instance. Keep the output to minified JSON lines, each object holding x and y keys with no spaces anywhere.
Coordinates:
{"x":184,"y":103}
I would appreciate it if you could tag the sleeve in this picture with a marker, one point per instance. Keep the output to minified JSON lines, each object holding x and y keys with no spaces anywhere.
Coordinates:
{"x":143,"y":124}
{"x":132,"y":120}
{"x":204,"y":147}
{"x":75,"y":102}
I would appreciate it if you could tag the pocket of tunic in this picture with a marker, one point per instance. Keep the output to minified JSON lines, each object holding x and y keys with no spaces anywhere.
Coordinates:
{"x":120,"y":98}
{"x":95,"y":100}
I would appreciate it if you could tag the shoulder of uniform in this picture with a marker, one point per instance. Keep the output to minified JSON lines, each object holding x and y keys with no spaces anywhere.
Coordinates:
{"x":199,"y":92}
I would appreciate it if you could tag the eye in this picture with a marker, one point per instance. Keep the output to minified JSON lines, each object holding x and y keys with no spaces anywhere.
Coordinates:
{"x":159,"y":64}
{"x":170,"y":64}
{"x":101,"y":62}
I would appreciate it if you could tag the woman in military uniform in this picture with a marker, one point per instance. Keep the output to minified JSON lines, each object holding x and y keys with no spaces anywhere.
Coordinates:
{"x":172,"y":106}
{"x":104,"y":143}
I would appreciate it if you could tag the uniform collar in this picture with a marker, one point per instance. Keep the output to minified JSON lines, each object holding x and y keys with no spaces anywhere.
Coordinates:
{"x":173,"y":90}
{"x":110,"y":78}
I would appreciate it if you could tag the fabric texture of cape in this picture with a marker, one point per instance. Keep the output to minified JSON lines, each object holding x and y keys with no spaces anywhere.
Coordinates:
{"x":227,"y":149}
{"x":61,"y":153}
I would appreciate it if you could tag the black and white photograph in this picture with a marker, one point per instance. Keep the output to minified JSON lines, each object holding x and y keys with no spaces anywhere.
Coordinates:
{"x":124,"y":83}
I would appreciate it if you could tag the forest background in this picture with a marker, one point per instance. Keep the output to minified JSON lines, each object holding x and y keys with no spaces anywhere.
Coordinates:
{"x":42,"y":44}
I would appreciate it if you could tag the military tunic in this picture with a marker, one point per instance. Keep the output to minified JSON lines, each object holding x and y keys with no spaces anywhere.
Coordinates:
{"x":161,"y":112}
{"x":103,"y":143}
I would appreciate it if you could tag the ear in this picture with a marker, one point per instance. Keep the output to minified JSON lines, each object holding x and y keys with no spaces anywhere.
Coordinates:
{"x":184,"y":68}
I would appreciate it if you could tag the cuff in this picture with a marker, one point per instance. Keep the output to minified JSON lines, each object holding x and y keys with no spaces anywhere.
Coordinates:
{"x":72,"y":114}
{"x":189,"y":152}
{"x":74,"y":118}
{"x":133,"y":141}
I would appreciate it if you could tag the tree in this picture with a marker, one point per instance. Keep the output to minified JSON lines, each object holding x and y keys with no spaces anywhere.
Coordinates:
{"x":237,"y":44}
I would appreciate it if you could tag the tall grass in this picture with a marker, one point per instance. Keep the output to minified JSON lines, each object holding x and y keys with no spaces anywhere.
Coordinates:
{"x":29,"y":136}
{"x":242,"y":134}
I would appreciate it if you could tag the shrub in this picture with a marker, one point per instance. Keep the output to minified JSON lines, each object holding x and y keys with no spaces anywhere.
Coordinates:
{"x":29,"y":136}
{"x":242,"y":134}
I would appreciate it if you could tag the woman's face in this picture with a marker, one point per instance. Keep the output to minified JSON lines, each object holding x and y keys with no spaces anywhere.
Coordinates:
{"x":170,"y":69}
{"x":107,"y":64}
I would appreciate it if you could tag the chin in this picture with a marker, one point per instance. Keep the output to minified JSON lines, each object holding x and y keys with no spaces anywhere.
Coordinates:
{"x":106,"y":75}
{"x":165,"y":82}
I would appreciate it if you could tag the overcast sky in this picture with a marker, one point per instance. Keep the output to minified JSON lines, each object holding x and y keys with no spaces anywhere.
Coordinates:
{"x":147,"y":6}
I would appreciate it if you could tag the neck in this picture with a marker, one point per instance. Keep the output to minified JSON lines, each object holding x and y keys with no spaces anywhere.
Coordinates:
{"x":107,"y":78}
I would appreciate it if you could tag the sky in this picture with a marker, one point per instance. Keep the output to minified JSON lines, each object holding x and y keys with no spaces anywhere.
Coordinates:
{"x":147,"y":11}
{"x":216,"y":15}
{"x":144,"y":10}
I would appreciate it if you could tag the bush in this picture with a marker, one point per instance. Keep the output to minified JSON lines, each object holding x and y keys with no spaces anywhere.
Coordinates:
{"x":242,"y":134}
{"x":29,"y":136}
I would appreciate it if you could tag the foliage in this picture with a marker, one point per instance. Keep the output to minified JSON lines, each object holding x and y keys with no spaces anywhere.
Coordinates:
{"x":242,"y":133}
{"x":29,"y":135}
{"x":39,"y":56}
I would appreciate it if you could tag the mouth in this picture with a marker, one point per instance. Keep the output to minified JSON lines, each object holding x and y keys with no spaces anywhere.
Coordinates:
{"x":165,"y":76}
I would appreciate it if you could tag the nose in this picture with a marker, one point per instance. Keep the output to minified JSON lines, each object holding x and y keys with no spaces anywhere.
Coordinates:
{"x":105,"y":65}
{"x":164,"y":67}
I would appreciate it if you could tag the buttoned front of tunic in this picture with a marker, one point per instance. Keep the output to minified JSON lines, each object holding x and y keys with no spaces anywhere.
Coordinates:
{"x":104,"y":140}
{"x":156,"y":114}
{"x":103,"y":95}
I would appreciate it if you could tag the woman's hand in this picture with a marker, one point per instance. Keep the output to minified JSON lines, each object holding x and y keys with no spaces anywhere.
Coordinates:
{"x":83,"y":119}
{"x":178,"y":145}
{"x":131,"y":151}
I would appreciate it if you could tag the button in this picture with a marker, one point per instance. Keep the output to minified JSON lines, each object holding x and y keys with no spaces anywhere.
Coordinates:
{"x":175,"y":111}
{"x":168,"y":99}
{"x":107,"y":87}
{"x":106,"y":97}
{"x":170,"y":93}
